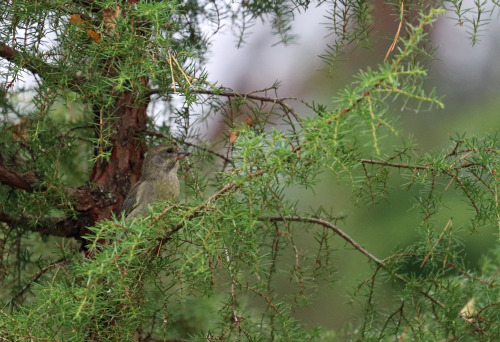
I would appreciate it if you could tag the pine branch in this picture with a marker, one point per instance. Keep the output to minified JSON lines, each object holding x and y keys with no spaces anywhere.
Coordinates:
{"x":35,"y":65}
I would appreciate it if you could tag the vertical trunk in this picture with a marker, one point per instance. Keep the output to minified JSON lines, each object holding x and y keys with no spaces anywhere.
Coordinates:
{"x":115,"y":176}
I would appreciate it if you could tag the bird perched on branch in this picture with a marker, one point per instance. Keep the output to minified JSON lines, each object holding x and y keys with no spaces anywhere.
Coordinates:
{"x":158,"y":180}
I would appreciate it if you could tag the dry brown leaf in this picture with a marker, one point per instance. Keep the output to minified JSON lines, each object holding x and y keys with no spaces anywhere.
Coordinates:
{"x":232,"y":137}
{"x":110,"y":16}
{"x":79,"y":22}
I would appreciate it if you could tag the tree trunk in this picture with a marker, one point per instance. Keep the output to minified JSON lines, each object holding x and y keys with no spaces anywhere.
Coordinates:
{"x":115,"y":176}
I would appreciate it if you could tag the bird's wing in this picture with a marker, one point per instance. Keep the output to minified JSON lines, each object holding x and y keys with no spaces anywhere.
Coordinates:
{"x":131,"y":200}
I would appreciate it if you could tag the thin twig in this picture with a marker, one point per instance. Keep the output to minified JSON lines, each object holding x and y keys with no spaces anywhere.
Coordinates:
{"x":36,"y":276}
{"x":465,"y":273}
{"x":449,"y":224}
{"x":353,"y":243}
{"x":393,"y":45}
{"x":401,"y":166}
{"x":328,"y":225}
{"x":279,"y":100}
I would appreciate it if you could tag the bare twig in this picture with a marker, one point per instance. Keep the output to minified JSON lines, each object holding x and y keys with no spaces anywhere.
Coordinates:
{"x":467,"y":274}
{"x":328,"y":225}
{"x":278,"y":100}
{"x":353,"y":243}
{"x":36,"y":276}
{"x":397,"y":165}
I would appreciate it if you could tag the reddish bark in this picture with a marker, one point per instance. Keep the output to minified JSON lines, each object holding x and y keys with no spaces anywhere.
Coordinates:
{"x":123,"y":168}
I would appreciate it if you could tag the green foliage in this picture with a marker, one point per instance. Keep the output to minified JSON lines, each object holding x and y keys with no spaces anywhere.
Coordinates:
{"x":233,"y":260}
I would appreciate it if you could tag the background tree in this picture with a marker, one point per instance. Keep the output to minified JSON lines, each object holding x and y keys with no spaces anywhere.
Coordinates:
{"x":214,"y":266}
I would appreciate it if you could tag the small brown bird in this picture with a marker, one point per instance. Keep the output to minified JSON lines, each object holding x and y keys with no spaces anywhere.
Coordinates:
{"x":158,"y":180}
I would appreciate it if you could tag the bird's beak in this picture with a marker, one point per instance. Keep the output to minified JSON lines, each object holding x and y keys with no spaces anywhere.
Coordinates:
{"x":181,"y":154}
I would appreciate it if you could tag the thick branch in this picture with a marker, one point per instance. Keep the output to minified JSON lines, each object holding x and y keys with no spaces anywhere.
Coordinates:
{"x":17,"y":180}
{"x":56,"y":226}
{"x":89,"y":202}
{"x":24,"y":60}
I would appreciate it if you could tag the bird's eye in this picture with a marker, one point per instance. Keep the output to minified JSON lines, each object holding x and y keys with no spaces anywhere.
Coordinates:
{"x":170,"y":150}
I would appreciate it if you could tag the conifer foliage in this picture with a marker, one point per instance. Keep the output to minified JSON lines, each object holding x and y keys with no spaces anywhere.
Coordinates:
{"x":228,"y":262}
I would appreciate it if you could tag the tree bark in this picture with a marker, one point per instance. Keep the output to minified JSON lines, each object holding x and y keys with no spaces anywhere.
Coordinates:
{"x":116,"y":175}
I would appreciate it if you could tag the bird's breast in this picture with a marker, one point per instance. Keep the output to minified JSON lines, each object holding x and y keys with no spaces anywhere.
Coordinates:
{"x":167,"y":189}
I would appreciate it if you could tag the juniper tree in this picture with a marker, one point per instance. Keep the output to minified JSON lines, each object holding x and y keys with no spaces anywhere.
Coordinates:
{"x":212,"y":266}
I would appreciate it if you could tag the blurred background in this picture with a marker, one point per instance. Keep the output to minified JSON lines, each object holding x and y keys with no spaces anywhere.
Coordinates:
{"x":468,"y":78}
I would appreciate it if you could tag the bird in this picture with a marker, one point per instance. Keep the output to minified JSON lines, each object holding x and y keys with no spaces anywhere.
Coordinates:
{"x":158,"y":181}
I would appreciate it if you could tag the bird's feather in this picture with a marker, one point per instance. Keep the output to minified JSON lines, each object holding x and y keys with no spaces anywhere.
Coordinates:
{"x":131,"y":200}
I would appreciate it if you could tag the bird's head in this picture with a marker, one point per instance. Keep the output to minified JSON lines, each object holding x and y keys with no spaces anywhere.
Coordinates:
{"x":163,"y":157}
